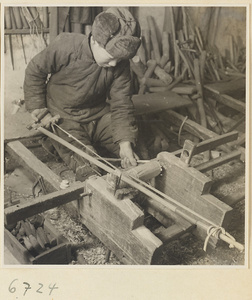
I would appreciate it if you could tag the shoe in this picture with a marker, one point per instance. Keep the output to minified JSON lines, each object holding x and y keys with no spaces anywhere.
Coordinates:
{"x":84,"y":172}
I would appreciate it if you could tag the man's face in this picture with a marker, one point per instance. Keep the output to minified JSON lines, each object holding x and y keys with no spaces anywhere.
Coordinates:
{"x":102,"y":57}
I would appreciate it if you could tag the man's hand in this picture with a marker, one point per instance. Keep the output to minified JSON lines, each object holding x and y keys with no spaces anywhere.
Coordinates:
{"x":36,"y":113}
{"x":46,"y":120}
{"x":128,"y":156}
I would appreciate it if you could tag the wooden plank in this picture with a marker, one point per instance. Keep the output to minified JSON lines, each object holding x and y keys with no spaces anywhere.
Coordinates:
{"x":156,"y":102}
{"x":192,"y":180}
{"x":40,"y":204}
{"x":214,"y":142}
{"x":176,"y":183}
{"x":59,"y":255}
{"x":53,"y":232}
{"x":118,"y":224}
{"x":226,"y":100}
{"x":226,"y":87}
{"x":196,"y":129}
{"x":214,"y":163}
{"x":190,"y":148}
{"x":33,"y":165}
{"x":163,"y":214}
{"x":166,"y":235}
{"x":24,"y":31}
{"x":18,"y":251}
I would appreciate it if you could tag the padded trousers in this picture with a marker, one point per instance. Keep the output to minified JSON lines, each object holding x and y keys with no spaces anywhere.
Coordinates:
{"x":96,"y":134}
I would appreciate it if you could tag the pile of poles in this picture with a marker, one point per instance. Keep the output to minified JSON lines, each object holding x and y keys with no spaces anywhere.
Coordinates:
{"x":181,"y":60}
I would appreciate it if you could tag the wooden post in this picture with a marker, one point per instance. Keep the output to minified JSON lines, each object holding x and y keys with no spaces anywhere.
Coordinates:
{"x":53,"y":20}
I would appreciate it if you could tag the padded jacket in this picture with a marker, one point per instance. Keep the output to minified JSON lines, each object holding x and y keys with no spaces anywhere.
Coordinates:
{"x":65,"y":78}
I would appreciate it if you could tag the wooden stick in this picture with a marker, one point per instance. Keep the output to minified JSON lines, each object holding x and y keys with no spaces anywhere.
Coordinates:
{"x":147,"y":43}
{"x":162,"y":75}
{"x":154,"y":40}
{"x":200,"y":104}
{"x":185,"y":29}
{"x":166,"y":49}
{"x":151,"y":64}
{"x":185,"y":61}
{"x":176,"y":54}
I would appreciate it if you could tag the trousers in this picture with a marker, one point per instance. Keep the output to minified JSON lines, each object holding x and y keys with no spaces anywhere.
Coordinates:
{"x":96,"y":135}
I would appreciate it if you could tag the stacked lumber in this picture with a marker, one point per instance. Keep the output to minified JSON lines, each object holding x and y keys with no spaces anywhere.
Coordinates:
{"x":182,"y":60}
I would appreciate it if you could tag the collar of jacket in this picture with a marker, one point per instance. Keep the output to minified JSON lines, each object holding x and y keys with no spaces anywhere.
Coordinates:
{"x":85,"y":50}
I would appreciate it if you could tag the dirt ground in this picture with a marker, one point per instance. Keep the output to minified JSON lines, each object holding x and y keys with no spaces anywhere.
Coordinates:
{"x":187,"y":250}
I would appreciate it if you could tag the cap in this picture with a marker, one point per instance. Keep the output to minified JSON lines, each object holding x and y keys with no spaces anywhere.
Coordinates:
{"x":117,"y":32}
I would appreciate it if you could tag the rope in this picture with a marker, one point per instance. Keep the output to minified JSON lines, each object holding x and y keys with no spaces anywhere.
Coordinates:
{"x":86,"y":147}
{"x":180,"y":130}
{"x":215,"y":232}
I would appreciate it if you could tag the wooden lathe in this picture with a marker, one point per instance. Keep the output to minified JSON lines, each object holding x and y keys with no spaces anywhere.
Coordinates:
{"x":175,"y":193}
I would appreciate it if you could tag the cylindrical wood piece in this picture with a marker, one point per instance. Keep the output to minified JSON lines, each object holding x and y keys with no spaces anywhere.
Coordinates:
{"x":162,"y":75}
{"x":154,"y":39}
{"x":147,"y":43}
{"x":45,"y":17}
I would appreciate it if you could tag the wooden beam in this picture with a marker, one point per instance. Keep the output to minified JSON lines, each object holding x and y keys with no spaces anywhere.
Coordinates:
{"x":196,"y":129}
{"x":40,"y":204}
{"x":227,"y":88}
{"x":59,"y":255}
{"x":190,"y":148}
{"x":33,"y":165}
{"x":226,"y":100}
{"x":118,"y":224}
{"x":24,"y":31}
{"x":156,"y":102}
{"x":214,"y":163}
{"x":184,"y":184}
{"x":214,"y":142}
{"x":53,"y":22}
{"x":166,"y":235}
{"x":16,"y":248}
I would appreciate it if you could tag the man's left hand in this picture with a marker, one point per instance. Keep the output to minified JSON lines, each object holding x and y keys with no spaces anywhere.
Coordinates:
{"x":128,"y":156}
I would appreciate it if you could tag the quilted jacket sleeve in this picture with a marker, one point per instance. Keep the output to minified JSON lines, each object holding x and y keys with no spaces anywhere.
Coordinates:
{"x":47,"y":62}
{"x":122,"y":110}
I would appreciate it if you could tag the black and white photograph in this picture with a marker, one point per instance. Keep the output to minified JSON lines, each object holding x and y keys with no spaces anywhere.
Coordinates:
{"x":124,"y":137}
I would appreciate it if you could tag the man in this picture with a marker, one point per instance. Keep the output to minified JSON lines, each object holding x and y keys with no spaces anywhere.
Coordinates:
{"x":89,"y":87}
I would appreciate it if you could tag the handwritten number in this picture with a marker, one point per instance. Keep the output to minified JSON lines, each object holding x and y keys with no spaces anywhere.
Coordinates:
{"x":12,"y":289}
{"x":38,"y":290}
{"x":28,"y":287}
{"x":54,"y":287}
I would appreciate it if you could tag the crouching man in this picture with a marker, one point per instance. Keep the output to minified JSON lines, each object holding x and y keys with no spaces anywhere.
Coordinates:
{"x":86,"y":80}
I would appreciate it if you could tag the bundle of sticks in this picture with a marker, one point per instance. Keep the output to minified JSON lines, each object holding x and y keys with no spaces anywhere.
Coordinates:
{"x":25,"y":17}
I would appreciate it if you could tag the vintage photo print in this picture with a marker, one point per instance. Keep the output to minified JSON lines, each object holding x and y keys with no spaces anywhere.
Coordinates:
{"x":125,"y":144}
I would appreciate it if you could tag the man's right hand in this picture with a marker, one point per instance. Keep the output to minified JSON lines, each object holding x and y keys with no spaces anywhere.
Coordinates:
{"x":36,"y":112}
{"x":46,"y":120}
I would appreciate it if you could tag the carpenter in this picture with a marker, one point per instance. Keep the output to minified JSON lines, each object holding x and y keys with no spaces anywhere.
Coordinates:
{"x":86,"y":81}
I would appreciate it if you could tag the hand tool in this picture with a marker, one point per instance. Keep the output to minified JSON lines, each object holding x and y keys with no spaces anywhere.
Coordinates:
{"x":39,"y":117}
